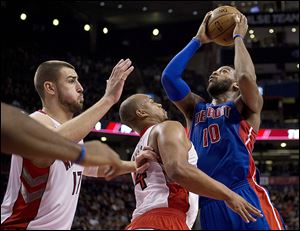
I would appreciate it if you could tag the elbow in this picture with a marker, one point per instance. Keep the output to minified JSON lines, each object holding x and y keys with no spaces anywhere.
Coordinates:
{"x":165,"y":78}
{"x":175,"y":171}
{"x":246,"y":75}
{"x":246,"y":78}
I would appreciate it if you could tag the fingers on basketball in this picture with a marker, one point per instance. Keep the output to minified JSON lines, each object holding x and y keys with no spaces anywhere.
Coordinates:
{"x":207,"y":16}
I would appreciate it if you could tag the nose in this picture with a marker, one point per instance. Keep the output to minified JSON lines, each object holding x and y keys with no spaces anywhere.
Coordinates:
{"x":79,"y":88}
{"x":214,"y":73}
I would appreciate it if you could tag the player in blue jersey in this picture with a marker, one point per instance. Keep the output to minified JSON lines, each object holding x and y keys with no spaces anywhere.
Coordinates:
{"x":224,"y":131}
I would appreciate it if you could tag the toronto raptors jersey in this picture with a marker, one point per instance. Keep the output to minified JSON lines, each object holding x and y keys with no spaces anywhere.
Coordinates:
{"x":153,"y":189}
{"x":41,"y":198}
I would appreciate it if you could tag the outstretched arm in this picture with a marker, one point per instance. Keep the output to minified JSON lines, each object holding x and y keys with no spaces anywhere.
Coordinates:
{"x":32,"y":140}
{"x":173,"y":147}
{"x":139,"y":165}
{"x":176,"y":88}
{"x":244,"y":68}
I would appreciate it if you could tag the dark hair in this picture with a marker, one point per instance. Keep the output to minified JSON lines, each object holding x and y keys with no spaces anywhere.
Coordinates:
{"x":48,"y":71}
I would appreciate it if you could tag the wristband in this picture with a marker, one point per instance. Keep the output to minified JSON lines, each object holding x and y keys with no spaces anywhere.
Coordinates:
{"x":81,"y":156}
{"x":197,"y":40}
{"x":237,"y":35}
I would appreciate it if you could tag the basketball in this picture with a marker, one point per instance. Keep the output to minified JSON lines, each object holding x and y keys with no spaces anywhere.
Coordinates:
{"x":221,"y":24}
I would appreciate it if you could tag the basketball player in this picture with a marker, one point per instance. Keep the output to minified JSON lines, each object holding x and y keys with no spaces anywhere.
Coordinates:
{"x":166,"y":193}
{"x":224,"y":130}
{"x":43,"y":193}
{"x":30,"y":139}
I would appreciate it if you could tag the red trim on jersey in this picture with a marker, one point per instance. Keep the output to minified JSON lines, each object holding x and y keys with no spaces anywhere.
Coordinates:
{"x":248,"y":136}
{"x":272,"y":216}
{"x":144,"y":130}
{"x":178,"y":197}
{"x":41,"y":111}
{"x":245,"y":134}
{"x":160,"y":219}
{"x":23,"y":213}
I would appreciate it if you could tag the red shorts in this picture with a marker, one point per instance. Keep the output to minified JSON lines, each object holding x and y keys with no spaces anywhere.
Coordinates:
{"x":160,"y":218}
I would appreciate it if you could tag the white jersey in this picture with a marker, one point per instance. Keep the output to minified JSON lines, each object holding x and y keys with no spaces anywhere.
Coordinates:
{"x":41,"y":198}
{"x":153,"y":189}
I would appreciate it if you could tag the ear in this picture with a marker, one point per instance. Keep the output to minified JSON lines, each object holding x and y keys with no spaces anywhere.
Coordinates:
{"x":235,"y":86}
{"x":49,"y":88}
{"x":141,"y":113}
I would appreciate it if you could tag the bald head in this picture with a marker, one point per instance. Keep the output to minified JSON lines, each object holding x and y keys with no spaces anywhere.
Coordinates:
{"x":129,"y":107}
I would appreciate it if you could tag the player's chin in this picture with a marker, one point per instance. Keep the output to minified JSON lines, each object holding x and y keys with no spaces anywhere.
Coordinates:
{"x":166,"y":116}
{"x":80,"y":106}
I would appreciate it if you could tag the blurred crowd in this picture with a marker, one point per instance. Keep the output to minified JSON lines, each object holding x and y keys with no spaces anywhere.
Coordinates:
{"x":19,"y":65}
{"x":104,"y":205}
{"x":286,"y":200}
{"x":109,"y":205}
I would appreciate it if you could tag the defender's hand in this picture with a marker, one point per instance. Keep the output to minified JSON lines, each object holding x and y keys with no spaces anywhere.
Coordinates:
{"x":115,"y":83}
{"x":243,"y":208}
{"x":144,"y":157}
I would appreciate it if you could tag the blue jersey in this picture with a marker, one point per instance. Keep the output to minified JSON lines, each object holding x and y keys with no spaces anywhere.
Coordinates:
{"x":224,"y":142}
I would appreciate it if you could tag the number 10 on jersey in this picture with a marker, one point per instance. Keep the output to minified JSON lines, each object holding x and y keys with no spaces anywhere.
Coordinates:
{"x":211,"y":133}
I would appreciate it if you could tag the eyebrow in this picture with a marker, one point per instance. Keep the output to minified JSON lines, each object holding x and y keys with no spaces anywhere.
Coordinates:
{"x":72,"y":76}
{"x":226,"y":68}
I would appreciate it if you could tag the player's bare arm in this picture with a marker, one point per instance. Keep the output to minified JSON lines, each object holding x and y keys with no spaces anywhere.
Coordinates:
{"x":108,"y":173}
{"x":245,"y":71}
{"x":32,"y":140}
{"x":80,"y":126}
{"x":173,"y":146}
{"x":139,"y":165}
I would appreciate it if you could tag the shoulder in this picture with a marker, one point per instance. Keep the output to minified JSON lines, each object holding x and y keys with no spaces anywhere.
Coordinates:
{"x":172,"y":133}
{"x":169,"y":126}
{"x":42,"y":118}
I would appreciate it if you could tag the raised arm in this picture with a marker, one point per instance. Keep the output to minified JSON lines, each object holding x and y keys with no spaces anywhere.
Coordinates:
{"x":244,"y":68}
{"x":173,"y":147}
{"x":77,"y":128}
{"x":175,"y":87}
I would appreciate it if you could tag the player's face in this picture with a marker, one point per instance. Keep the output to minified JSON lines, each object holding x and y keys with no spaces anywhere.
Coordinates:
{"x":155,"y":109}
{"x":70,"y":91}
{"x":220,"y":81}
